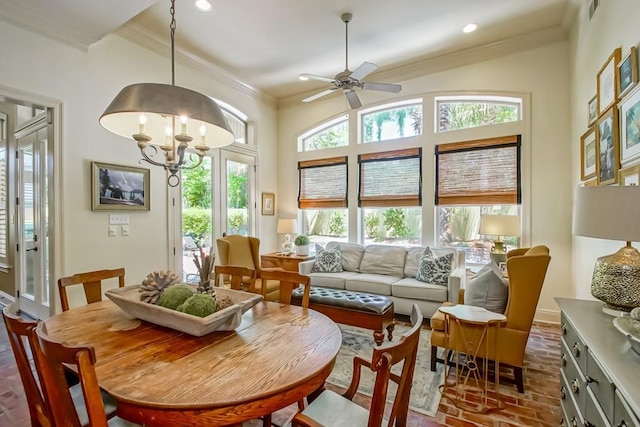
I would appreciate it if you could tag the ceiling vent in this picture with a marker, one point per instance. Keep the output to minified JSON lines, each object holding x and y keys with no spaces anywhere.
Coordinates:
{"x":593,"y":5}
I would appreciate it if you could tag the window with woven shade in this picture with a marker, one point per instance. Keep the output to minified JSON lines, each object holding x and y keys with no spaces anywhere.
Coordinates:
{"x":390,"y":178}
{"x":479,"y":172}
{"x":322,"y":183}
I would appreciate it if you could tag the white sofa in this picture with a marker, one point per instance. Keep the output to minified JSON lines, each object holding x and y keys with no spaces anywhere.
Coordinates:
{"x":391,"y":271}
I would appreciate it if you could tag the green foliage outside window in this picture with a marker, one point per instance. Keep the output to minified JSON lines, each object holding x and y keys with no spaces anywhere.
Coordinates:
{"x":373,"y":123}
{"x":196,"y":222}
{"x":337,"y":225}
{"x":335,"y":136}
{"x":464,"y":115}
{"x":237,"y":223}
{"x":395,"y":222}
{"x":196,"y":187}
{"x":372,"y":227}
{"x":237,"y":188}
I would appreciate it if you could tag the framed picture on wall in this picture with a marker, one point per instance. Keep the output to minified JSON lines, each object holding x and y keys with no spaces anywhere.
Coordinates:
{"x":268,"y":204}
{"x":630,"y":128}
{"x":627,"y":72}
{"x":588,"y":154}
{"x":607,"y":147}
{"x":591,"y":183}
{"x":630,"y":175}
{"x":119,"y":188}
{"x":593,"y":110}
{"x":607,"y":82}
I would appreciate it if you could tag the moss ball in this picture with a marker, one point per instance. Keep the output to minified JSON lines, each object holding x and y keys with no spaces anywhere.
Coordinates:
{"x":175,"y":295}
{"x":200,"y":305}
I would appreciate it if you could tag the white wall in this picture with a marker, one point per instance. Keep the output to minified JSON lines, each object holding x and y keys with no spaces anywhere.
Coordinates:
{"x":614,"y":24}
{"x":541,"y":74}
{"x":85,"y":83}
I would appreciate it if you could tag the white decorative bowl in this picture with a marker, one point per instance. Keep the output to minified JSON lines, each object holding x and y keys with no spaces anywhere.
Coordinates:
{"x":128,"y":299}
{"x":631,"y":328}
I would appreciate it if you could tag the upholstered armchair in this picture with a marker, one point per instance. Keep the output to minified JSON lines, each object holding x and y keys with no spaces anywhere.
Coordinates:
{"x":526,"y":269}
{"x":244,"y":251}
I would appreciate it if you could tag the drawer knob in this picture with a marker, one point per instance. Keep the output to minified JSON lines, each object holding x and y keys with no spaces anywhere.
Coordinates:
{"x":575,"y":385}
{"x":574,"y":422}
{"x":562,"y":424}
{"x":563,"y":328}
{"x":563,"y":360}
{"x":563,"y":392}
{"x":591,"y":380}
{"x":588,"y":424}
{"x":576,"y":350}
{"x":622,"y":424}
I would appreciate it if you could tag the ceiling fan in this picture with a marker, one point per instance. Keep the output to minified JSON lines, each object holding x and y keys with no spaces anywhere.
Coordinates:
{"x":348,"y":80}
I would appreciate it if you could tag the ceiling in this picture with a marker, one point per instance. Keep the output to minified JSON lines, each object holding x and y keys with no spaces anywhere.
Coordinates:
{"x":267,"y":44}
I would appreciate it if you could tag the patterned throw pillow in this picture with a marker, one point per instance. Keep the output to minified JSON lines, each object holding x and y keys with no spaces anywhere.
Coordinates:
{"x":434,"y":270}
{"x":328,"y":261}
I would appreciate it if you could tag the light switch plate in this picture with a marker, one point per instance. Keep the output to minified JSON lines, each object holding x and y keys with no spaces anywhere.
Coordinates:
{"x":112,"y":231}
{"x":125,"y":230}
{"x":118,"y":219}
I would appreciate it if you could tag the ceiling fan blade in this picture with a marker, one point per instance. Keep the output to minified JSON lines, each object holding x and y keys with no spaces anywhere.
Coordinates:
{"x":363,"y":70}
{"x":352,"y":97}
{"x":319,"y":95}
{"x":384,"y":87}
{"x":306,"y":76}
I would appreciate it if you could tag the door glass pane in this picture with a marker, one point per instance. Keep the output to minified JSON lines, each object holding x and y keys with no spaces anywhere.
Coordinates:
{"x":28,"y":215}
{"x":44,"y":147}
{"x":197,"y":222}
{"x":237,"y":198}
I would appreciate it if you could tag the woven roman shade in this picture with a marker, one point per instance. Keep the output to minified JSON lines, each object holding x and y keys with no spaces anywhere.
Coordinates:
{"x":479,"y":172}
{"x":391,"y":178}
{"x":322,"y":183}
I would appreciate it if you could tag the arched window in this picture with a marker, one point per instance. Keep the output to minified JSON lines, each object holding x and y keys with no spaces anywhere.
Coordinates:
{"x":331,"y":134}
{"x":391,"y":121}
{"x":464,"y":112}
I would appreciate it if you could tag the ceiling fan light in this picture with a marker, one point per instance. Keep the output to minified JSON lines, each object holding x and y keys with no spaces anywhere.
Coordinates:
{"x":303,"y":77}
{"x":203,"y":5}
{"x":469,"y":28}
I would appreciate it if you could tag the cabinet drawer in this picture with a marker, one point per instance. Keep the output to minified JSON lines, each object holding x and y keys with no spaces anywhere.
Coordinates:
{"x":593,"y":415}
{"x":623,"y":415}
{"x":572,"y":416}
{"x":575,"y":344}
{"x":601,"y":386}
{"x":576,"y":382}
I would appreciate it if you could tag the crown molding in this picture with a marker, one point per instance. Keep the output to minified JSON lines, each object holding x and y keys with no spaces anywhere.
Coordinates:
{"x":140,"y":36}
{"x":431,"y":65}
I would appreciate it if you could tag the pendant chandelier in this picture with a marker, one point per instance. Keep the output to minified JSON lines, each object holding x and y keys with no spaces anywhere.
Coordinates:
{"x":165,"y":119}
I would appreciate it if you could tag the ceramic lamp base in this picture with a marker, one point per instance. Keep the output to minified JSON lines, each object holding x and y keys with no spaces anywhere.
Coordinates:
{"x":616,"y":280}
{"x":498,"y":253}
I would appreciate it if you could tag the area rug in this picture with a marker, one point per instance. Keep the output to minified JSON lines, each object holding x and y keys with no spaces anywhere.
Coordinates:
{"x":425,"y":396}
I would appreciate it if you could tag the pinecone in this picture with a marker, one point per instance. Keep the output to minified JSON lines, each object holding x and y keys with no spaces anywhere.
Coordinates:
{"x":154,"y":285}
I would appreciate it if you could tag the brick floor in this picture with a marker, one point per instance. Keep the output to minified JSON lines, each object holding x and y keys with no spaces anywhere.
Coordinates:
{"x":538,"y":406}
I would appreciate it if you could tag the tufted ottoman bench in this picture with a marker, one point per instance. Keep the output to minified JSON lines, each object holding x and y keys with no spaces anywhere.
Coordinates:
{"x":352,"y":308}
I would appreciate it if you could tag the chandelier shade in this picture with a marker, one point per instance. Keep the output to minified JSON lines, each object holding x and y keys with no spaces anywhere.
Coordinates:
{"x":160,"y":104}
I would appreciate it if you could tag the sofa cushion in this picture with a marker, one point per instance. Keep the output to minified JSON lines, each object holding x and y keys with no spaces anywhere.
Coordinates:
{"x":351,"y":254}
{"x":414,"y":289}
{"x":435,"y":270}
{"x":371,"y":283}
{"x":414,"y":254}
{"x":487,"y":289}
{"x":328,"y":261}
{"x":331,"y":280}
{"x":385,"y":260}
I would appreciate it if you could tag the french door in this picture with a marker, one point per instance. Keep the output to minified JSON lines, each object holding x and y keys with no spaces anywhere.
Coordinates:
{"x":32,"y":225}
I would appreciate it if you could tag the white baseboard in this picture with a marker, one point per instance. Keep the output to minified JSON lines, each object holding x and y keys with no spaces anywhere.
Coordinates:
{"x":6,"y":299}
{"x":547,"y":316}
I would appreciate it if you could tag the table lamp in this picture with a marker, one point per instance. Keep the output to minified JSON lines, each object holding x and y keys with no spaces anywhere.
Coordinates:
{"x":612,"y":213}
{"x":499,"y":225}
{"x":287,"y":226}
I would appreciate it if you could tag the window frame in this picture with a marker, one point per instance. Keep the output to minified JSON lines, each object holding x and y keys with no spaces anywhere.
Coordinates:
{"x":384,"y":107}
{"x":324,"y":126}
{"x":478,"y":99}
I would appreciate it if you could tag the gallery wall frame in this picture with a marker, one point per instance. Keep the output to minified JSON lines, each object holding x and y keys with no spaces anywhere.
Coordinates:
{"x":268,"y":204}
{"x":588,"y":154}
{"x":627,"y":72}
{"x":607,"y":147}
{"x":607,"y":82}
{"x":119,"y":188}
{"x":630,"y":127}
{"x":591,"y":183}
{"x":629,"y":175}
{"x":593,"y":110}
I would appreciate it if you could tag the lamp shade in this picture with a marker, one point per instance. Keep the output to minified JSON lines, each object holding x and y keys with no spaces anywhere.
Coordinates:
{"x":499,"y":225}
{"x":608,"y":212}
{"x":287,"y":226}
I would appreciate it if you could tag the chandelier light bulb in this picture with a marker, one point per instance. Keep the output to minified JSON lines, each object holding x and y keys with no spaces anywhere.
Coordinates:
{"x":183,"y":120}
{"x":142,"y":120}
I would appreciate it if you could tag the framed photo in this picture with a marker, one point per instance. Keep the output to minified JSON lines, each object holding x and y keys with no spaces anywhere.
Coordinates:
{"x":630,"y":175}
{"x":591,"y":183}
{"x":268,"y":204}
{"x":119,"y":188}
{"x":627,"y":72}
{"x":593,"y":110}
{"x":607,"y":147}
{"x":608,"y":82}
{"x":630,"y":128}
{"x":588,"y":154}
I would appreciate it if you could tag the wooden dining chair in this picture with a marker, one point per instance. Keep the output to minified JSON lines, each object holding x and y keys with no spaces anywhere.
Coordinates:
{"x":288,"y":281}
{"x":332,"y":409}
{"x":51,"y":358}
{"x":91,"y":282}
{"x":23,"y":343}
{"x":237,"y":277}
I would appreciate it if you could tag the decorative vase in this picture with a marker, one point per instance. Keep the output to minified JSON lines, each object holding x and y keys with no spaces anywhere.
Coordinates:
{"x":302,"y":250}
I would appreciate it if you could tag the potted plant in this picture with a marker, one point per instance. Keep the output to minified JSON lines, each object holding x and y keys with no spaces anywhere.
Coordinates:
{"x":302,"y":245}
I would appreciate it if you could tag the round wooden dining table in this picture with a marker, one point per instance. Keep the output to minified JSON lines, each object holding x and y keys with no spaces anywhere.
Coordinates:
{"x":161,"y":377}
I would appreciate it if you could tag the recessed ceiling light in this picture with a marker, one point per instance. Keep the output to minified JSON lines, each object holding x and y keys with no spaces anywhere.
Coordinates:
{"x":301,"y":77}
{"x":203,"y":5}
{"x":469,"y":28}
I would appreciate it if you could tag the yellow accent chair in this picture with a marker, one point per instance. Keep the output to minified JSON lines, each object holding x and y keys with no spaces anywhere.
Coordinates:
{"x":526,"y":270}
{"x":244,"y":251}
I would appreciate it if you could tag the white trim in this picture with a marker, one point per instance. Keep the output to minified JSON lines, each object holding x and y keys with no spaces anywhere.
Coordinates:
{"x":547,"y":316}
